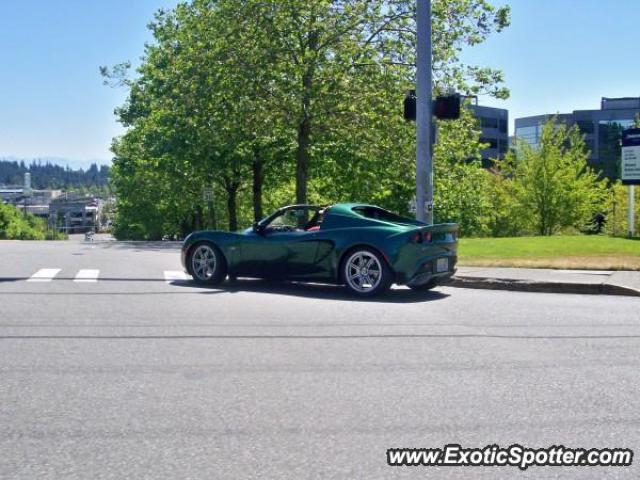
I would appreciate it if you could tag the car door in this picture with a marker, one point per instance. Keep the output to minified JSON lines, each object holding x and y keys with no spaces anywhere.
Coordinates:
{"x":302,"y":249}
{"x":279,"y":255}
{"x":263,"y":255}
{"x":282,"y":248}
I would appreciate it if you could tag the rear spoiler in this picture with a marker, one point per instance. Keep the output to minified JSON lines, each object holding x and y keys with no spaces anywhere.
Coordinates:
{"x":439,"y":233}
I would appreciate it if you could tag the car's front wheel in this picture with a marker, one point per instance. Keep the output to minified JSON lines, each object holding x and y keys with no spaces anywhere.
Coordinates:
{"x":206,"y":264}
{"x":366,"y":273}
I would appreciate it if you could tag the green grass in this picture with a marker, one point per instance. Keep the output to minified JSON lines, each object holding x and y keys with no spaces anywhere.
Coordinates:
{"x":570,"y":251}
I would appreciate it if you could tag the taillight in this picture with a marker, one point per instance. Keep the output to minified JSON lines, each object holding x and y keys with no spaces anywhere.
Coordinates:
{"x":420,"y":237}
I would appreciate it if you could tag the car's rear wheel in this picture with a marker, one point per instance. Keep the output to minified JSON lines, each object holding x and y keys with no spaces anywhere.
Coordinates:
{"x":206,"y":264}
{"x":365,"y":272}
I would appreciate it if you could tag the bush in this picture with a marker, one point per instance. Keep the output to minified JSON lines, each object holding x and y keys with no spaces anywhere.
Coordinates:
{"x":552,"y":188}
{"x":15,"y":226}
{"x":616,"y":210}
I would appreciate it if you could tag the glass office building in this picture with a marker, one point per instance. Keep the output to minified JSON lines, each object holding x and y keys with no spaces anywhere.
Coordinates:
{"x":494,"y":123}
{"x":602,"y":130}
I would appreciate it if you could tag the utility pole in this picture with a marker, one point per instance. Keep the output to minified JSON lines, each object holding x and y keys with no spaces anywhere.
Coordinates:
{"x":424,"y":116}
{"x":631,"y":218}
{"x":26,"y":192}
{"x":630,"y":174}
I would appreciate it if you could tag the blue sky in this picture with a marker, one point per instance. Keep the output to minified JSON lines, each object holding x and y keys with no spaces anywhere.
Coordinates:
{"x":558,"y":55}
{"x":564,"y":55}
{"x":52,"y":100}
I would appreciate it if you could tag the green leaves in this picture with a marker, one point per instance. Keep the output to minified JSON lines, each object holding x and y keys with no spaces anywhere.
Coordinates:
{"x":301,"y":96}
{"x":553,"y":187}
{"x":460,"y":183}
{"x":14,"y":225}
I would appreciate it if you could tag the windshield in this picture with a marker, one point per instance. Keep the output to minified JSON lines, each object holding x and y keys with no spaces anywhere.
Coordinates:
{"x":295,"y":219}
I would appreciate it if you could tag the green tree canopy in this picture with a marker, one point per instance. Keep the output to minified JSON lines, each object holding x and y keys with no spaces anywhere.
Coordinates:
{"x":14,"y":225}
{"x":553,"y":185}
{"x":281,"y":101}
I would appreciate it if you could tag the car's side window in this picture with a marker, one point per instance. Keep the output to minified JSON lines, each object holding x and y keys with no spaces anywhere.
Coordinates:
{"x":293,"y":220}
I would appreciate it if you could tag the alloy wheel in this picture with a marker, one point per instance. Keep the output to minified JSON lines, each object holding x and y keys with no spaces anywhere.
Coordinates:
{"x":203,"y":262}
{"x":363,"y":271}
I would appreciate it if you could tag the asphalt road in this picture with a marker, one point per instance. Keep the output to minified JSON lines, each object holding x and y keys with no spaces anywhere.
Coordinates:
{"x":132,"y":376}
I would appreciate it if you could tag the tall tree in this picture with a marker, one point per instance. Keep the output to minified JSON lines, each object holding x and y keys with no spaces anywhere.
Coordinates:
{"x":317,"y":48}
{"x":239,"y":96}
{"x":553,"y":184}
{"x":461,"y":184}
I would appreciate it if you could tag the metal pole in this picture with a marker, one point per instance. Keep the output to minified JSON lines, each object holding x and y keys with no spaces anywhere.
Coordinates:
{"x":424,"y":167}
{"x":631,"y":211}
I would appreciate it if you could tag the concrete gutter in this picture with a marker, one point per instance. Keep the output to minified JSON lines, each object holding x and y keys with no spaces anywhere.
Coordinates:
{"x":549,"y":281}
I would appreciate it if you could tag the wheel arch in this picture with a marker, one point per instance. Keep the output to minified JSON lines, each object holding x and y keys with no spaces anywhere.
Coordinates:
{"x":200,"y":241}
{"x":348,"y":250}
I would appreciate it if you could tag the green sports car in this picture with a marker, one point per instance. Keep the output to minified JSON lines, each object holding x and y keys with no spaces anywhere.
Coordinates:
{"x":363,"y":247}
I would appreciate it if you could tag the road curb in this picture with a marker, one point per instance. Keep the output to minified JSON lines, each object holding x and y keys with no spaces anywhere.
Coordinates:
{"x":510,"y":284}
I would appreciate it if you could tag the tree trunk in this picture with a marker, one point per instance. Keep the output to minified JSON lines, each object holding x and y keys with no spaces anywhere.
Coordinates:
{"x":212,"y":215}
{"x":258,"y":178}
{"x":304,"y":126}
{"x":198,"y":218}
{"x":232,"y":207}
{"x":302,"y":161}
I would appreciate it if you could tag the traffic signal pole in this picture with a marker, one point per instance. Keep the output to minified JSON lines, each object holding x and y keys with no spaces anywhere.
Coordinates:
{"x":631,"y":210}
{"x":424,"y":116}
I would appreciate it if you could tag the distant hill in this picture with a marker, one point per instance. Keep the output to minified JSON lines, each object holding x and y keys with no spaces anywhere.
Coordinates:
{"x":47,"y":174}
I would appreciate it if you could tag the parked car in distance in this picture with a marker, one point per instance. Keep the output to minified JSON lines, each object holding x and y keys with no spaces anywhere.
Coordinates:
{"x":364,"y":247}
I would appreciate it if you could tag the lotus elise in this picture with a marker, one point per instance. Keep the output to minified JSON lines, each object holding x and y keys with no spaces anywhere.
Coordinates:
{"x":364,"y":247}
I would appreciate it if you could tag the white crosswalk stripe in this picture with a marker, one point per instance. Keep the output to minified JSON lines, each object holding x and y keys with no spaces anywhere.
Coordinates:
{"x":87,"y":276}
{"x":174,"y":276}
{"x":44,"y":275}
{"x":92,"y":275}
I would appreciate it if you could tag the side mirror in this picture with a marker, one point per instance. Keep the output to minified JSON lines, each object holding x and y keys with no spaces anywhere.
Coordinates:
{"x":257,"y":228}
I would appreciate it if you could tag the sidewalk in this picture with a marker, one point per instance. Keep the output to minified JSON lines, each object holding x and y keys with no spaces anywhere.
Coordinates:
{"x":551,"y":281}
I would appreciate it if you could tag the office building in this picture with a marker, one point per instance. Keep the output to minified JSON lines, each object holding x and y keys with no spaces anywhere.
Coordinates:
{"x":495,"y":131}
{"x":601,"y":129}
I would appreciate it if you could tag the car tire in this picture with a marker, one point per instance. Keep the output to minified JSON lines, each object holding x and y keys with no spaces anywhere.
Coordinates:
{"x":365,"y":272}
{"x":206,"y":264}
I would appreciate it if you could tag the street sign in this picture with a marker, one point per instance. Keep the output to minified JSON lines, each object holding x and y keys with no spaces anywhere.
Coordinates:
{"x":413,"y":205}
{"x":207,"y":194}
{"x":630,"y":166}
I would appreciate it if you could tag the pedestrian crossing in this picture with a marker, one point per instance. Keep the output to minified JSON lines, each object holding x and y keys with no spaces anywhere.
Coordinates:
{"x":174,"y":276}
{"x":92,"y":275}
{"x":44,"y":275}
{"x":87,"y":276}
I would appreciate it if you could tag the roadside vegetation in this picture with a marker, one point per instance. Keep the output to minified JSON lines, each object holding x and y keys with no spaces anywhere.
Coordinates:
{"x":552,"y":192}
{"x":272,"y":103}
{"x":16,"y":226}
{"x":594,"y":252}
{"x":241,"y":107}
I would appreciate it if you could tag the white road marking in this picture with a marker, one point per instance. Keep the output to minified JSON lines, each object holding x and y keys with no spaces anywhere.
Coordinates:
{"x":44,"y":275}
{"x":174,"y":276}
{"x":87,"y":276}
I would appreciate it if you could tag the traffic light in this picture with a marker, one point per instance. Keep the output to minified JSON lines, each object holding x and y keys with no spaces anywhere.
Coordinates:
{"x":410,"y":106}
{"x":444,"y":107}
{"x":447,"y":107}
